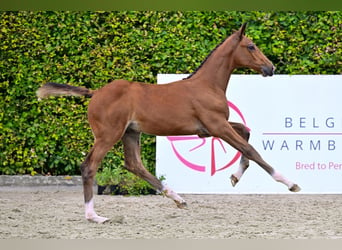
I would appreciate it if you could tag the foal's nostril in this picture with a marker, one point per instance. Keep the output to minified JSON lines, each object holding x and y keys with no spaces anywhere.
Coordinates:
{"x":267,"y":71}
{"x":271,"y":71}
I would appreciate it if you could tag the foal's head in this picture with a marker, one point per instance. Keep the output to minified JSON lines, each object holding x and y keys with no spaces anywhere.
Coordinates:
{"x":247,"y":54}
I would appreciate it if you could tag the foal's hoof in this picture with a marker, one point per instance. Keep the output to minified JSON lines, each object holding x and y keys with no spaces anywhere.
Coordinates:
{"x":98,"y":219}
{"x":182,"y":205}
{"x":233,"y":180}
{"x":294,"y":188}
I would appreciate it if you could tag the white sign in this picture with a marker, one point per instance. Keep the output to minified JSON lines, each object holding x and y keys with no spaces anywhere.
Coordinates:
{"x":296,"y":126}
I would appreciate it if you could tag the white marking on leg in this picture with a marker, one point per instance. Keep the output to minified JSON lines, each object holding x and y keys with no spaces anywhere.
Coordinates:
{"x":280,"y":178}
{"x":244,"y":163}
{"x":168,"y":192}
{"x":90,"y":213}
{"x":239,"y":172}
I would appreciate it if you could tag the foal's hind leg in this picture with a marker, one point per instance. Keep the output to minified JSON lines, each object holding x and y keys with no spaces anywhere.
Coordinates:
{"x":244,"y":162}
{"x":88,"y":169}
{"x":131,"y":143}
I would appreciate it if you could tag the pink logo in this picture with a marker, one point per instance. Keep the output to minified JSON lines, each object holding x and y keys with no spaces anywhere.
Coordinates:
{"x":216,"y":146}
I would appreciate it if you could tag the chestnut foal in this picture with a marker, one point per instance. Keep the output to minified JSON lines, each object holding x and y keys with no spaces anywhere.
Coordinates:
{"x":122,"y":110}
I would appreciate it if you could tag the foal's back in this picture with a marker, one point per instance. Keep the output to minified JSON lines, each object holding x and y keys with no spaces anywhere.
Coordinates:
{"x":153,"y":109}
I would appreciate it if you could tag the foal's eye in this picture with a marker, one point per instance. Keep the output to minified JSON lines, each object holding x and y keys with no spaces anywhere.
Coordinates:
{"x":250,"y":47}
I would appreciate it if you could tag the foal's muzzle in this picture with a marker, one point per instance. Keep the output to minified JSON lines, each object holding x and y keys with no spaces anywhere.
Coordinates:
{"x":267,"y":71}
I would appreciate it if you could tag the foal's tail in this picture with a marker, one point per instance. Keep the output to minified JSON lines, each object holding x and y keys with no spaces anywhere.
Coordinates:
{"x":56,"y":89}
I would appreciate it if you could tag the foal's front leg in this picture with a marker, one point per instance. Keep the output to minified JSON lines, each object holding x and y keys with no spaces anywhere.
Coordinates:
{"x":244,"y":162}
{"x":225,"y":131}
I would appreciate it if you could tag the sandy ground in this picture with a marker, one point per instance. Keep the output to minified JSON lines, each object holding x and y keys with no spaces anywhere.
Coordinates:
{"x":57,"y":213}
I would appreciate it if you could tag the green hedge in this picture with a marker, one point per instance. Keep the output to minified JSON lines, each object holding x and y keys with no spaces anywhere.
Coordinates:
{"x":91,"y":48}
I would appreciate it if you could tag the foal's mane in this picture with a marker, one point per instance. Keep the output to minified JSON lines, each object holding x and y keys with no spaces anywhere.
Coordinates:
{"x":203,"y":62}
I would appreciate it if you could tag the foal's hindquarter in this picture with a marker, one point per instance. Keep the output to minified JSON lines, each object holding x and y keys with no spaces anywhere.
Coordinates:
{"x":123,"y":110}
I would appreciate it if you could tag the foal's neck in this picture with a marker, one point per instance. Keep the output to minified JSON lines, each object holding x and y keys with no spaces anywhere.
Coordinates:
{"x":218,"y":67}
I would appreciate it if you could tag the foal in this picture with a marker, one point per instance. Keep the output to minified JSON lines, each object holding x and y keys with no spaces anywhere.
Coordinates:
{"x":195,"y":105}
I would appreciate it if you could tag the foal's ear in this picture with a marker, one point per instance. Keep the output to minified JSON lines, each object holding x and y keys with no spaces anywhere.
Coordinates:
{"x":242,"y":30}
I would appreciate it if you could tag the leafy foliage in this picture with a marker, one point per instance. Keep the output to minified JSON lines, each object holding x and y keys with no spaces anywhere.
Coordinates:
{"x":91,"y":48}
{"x":123,"y":182}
